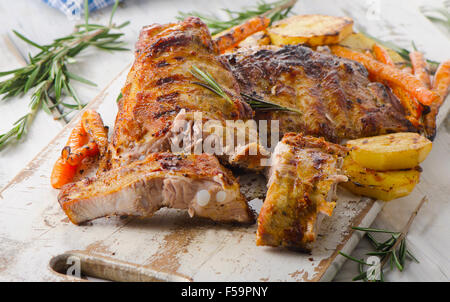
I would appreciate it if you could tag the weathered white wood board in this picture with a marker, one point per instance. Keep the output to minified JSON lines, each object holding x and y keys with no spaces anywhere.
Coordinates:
{"x":170,"y":246}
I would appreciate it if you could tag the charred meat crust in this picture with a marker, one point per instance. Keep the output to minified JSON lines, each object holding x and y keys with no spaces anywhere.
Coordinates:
{"x":335,"y":95}
{"x":304,"y":173}
{"x":160,"y":85}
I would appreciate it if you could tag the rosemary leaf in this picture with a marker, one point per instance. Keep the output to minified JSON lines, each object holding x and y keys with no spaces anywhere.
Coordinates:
{"x":46,"y":75}
{"x":396,"y":261}
{"x":119,"y":97}
{"x":374,"y":230}
{"x":402,"y":252}
{"x":410,"y":255}
{"x":263,"y":105}
{"x":360,"y":261}
{"x":29,"y":41}
{"x":80,"y":79}
{"x":276,"y":10}
{"x":209,"y":82}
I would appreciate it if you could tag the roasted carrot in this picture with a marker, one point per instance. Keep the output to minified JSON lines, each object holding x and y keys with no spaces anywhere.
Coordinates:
{"x":93,"y":125}
{"x":233,"y":36}
{"x":62,"y":173}
{"x":382,"y":55}
{"x":420,"y":68}
{"x":79,"y":146}
{"x":413,"y":108}
{"x":441,"y":85}
{"x":77,"y":155}
{"x":389,"y":74}
{"x":78,"y":137}
{"x":441,"y":81}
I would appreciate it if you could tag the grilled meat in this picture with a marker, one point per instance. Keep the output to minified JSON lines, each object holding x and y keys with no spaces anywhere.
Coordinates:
{"x":157,"y":111}
{"x":335,"y":96}
{"x":197,"y":183}
{"x":302,"y":185}
{"x":160,"y":89}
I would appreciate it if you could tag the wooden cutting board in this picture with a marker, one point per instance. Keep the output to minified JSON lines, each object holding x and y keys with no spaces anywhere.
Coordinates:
{"x":38,"y":241}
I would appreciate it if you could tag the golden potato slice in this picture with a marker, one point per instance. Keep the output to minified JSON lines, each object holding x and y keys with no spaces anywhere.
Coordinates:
{"x":385,"y":186}
{"x":395,"y":151}
{"x":313,"y":30}
{"x":361,"y":43}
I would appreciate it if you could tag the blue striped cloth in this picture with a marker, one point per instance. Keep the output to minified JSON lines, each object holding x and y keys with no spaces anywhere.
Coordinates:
{"x":75,"y":8}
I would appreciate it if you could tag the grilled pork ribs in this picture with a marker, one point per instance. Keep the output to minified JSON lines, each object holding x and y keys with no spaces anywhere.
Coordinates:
{"x":334,"y":95}
{"x":302,"y":185}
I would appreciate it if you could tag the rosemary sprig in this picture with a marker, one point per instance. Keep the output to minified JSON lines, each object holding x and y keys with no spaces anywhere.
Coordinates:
{"x":262,"y":105}
{"x":209,"y":83}
{"x":394,"y":250}
{"x":275,"y":11}
{"x":47,"y":74}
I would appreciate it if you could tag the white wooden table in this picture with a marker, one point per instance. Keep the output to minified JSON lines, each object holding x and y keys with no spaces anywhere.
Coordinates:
{"x":429,"y":236}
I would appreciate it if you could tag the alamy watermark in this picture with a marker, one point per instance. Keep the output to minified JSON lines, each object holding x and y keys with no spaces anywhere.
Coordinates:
{"x":191,"y":133}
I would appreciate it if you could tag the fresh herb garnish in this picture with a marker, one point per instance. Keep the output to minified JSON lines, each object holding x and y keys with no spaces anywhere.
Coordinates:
{"x":262,"y":105}
{"x":393,"y":250}
{"x":274,"y":11}
{"x":209,"y":83}
{"x":46,"y":73}
{"x":256,"y":103}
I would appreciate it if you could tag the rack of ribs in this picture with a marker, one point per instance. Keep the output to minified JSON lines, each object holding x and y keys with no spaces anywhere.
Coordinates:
{"x":160,"y":91}
{"x":134,"y":177}
{"x":334,"y":95}
{"x":302,"y":185}
{"x":197,"y":183}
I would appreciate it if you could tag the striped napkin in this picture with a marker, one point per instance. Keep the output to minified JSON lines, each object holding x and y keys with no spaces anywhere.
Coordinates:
{"x":75,"y":8}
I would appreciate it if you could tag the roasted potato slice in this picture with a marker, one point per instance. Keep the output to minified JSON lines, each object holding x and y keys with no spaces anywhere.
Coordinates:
{"x":361,"y":43}
{"x":385,"y":186}
{"x":404,"y":150}
{"x":312,"y":30}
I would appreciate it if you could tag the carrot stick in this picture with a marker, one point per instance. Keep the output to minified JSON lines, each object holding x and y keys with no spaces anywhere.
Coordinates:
{"x":78,"y":147}
{"x":389,"y":74}
{"x":382,"y":55}
{"x":441,"y":85}
{"x":409,"y":102}
{"x":62,"y":173}
{"x":75,"y":157}
{"x":233,"y":36}
{"x":441,"y":82}
{"x":93,"y":125}
{"x":420,"y":68}
{"x":78,"y":137}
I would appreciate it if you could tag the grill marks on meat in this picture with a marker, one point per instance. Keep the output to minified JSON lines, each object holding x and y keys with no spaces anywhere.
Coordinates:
{"x":161,"y":180}
{"x":134,"y":177}
{"x":160,"y":85}
{"x":335,"y":96}
{"x":302,"y":185}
